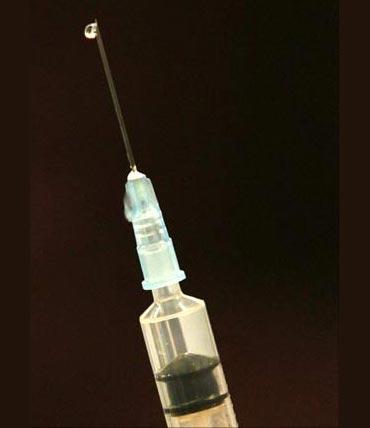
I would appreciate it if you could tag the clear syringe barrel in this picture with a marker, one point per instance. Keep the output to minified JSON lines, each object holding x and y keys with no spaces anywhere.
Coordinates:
{"x":176,"y":328}
{"x":185,"y":361}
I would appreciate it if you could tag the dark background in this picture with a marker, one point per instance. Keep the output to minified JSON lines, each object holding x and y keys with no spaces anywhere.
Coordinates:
{"x":231,"y":107}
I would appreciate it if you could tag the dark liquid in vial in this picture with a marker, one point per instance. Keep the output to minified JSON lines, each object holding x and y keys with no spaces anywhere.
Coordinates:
{"x":191,"y":384}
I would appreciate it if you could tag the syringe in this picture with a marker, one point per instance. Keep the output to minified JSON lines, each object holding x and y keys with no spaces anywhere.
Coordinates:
{"x":176,"y":328}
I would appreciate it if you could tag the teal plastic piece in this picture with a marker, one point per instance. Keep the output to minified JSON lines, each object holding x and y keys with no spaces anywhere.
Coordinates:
{"x":154,"y":246}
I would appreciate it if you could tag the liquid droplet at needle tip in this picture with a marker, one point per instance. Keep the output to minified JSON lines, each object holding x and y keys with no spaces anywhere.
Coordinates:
{"x":91,"y":31}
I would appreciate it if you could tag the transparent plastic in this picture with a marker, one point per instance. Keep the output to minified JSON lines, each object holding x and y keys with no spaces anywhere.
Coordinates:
{"x":185,"y":361}
{"x":154,"y":246}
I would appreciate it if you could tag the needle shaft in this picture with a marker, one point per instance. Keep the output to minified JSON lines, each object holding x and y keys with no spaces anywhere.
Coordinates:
{"x":114,"y":96}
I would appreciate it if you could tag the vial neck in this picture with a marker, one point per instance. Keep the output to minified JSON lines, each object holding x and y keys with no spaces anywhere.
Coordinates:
{"x":166,"y":293}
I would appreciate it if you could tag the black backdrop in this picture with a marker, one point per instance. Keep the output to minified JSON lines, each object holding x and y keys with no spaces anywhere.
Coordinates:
{"x":231,"y":107}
